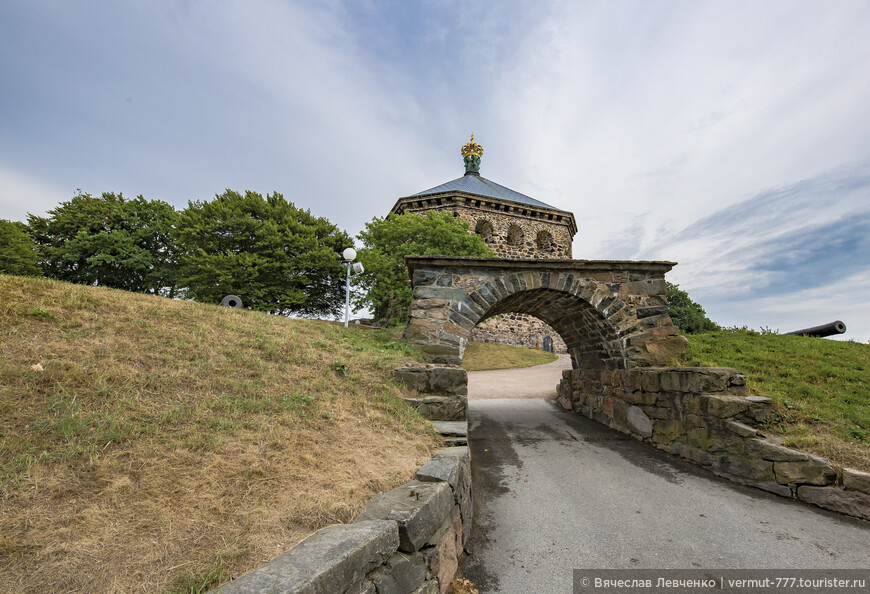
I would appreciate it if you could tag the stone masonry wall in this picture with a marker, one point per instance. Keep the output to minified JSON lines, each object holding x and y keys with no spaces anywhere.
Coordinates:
{"x":514,"y":232}
{"x":443,"y":390}
{"x":518,"y":330}
{"x":408,"y":540}
{"x":611,"y":314}
{"x":708,"y":416}
{"x":509,"y":233}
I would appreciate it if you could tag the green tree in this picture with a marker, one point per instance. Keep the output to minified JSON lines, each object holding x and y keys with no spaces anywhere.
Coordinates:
{"x":386,"y":241}
{"x":17,"y":250}
{"x":110,"y":241}
{"x":276,"y":257}
{"x":687,"y":315}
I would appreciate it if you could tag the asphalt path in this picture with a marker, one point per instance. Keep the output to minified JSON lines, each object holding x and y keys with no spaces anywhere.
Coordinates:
{"x":531,"y":382}
{"x":555,"y":491}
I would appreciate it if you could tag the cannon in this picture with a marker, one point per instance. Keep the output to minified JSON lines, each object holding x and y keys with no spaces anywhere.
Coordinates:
{"x":830,"y":329}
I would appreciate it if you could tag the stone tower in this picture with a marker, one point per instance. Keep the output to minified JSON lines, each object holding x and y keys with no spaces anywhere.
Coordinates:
{"x":513,"y":225}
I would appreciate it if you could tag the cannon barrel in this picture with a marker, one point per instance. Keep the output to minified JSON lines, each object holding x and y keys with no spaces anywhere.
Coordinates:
{"x":830,"y":329}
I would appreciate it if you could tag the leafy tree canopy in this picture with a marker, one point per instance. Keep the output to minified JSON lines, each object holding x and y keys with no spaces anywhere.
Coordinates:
{"x":387,"y":241}
{"x":108,"y":240}
{"x":276,"y":257}
{"x":687,"y":315}
{"x":17,"y":250}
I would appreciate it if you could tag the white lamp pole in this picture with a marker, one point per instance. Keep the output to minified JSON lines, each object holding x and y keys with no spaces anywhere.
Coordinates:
{"x":349,"y":256}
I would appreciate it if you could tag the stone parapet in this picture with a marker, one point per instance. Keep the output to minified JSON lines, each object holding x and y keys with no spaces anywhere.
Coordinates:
{"x":708,"y":416}
{"x":409,"y":539}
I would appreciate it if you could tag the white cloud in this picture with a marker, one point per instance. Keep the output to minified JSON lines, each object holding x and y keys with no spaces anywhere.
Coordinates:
{"x":22,"y":194}
{"x":641,"y":118}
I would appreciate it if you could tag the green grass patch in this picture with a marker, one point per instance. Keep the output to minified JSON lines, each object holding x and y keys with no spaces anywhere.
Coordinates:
{"x":820,"y":387}
{"x":483,"y":356}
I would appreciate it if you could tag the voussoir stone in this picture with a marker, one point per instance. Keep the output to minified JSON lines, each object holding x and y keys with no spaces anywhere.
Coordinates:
{"x":418,"y":508}
{"x":341,"y":554}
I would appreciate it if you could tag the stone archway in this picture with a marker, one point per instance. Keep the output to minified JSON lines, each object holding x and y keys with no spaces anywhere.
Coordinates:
{"x":611,"y":314}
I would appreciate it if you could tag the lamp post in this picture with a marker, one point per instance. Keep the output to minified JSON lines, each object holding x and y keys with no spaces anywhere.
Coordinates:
{"x":349,"y":256}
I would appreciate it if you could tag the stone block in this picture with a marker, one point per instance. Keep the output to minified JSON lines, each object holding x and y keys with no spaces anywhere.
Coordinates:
{"x":851,"y":503}
{"x":428,"y":587}
{"x":667,"y":430}
{"x":746,"y":468}
{"x":649,"y":381}
{"x":441,"y":408}
{"x":715,"y":438}
{"x":363,"y":587}
{"x":814,"y":471}
{"x":446,"y":354}
{"x":424,"y":276}
{"x":740,"y":429}
{"x":418,"y":508}
{"x":430,"y":292}
{"x":450,"y":465}
{"x":646,"y":312}
{"x":642,"y":398}
{"x":767,"y":450}
{"x":401,"y":574}
{"x":442,"y":560}
{"x":638,"y":422}
{"x":713,"y":380}
{"x":657,"y":412}
{"x":775,"y":488}
{"x":855,"y":480}
{"x":448,"y":380}
{"x":341,"y":554}
{"x":678,"y":381}
{"x":620,"y":412}
{"x":415,"y":377}
{"x":760,"y":411}
{"x":689,"y":452}
{"x":722,"y":406}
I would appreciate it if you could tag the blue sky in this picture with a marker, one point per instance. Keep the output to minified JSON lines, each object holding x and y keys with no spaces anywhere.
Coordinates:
{"x":732,"y":137}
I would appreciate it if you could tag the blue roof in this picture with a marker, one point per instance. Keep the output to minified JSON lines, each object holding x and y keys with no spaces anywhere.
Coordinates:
{"x":480,"y":186}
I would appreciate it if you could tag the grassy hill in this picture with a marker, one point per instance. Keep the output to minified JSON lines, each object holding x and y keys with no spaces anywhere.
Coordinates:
{"x":821,"y":387}
{"x":157,"y":445}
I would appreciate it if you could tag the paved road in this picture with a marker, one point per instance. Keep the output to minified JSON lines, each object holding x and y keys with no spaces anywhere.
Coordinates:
{"x":531,"y":382}
{"x":555,"y":491}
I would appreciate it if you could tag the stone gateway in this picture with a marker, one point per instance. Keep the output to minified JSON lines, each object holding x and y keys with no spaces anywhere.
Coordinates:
{"x":513,"y":225}
{"x":610,"y":314}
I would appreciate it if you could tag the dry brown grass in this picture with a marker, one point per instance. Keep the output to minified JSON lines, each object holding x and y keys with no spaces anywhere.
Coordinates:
{"x":167,"y":446}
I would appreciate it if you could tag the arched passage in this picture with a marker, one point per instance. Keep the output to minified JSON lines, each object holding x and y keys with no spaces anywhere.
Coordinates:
{"x":592,"y":341}
{"x":611,"y":314}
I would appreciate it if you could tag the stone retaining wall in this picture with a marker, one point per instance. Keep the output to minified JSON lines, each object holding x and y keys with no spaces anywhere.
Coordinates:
{"x":443,"y":390}
{"x":408,"y":540}
{"x":708,"y":416}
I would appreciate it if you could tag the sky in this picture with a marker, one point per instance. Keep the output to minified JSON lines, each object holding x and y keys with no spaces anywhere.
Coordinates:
{"x":732,"y":137}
